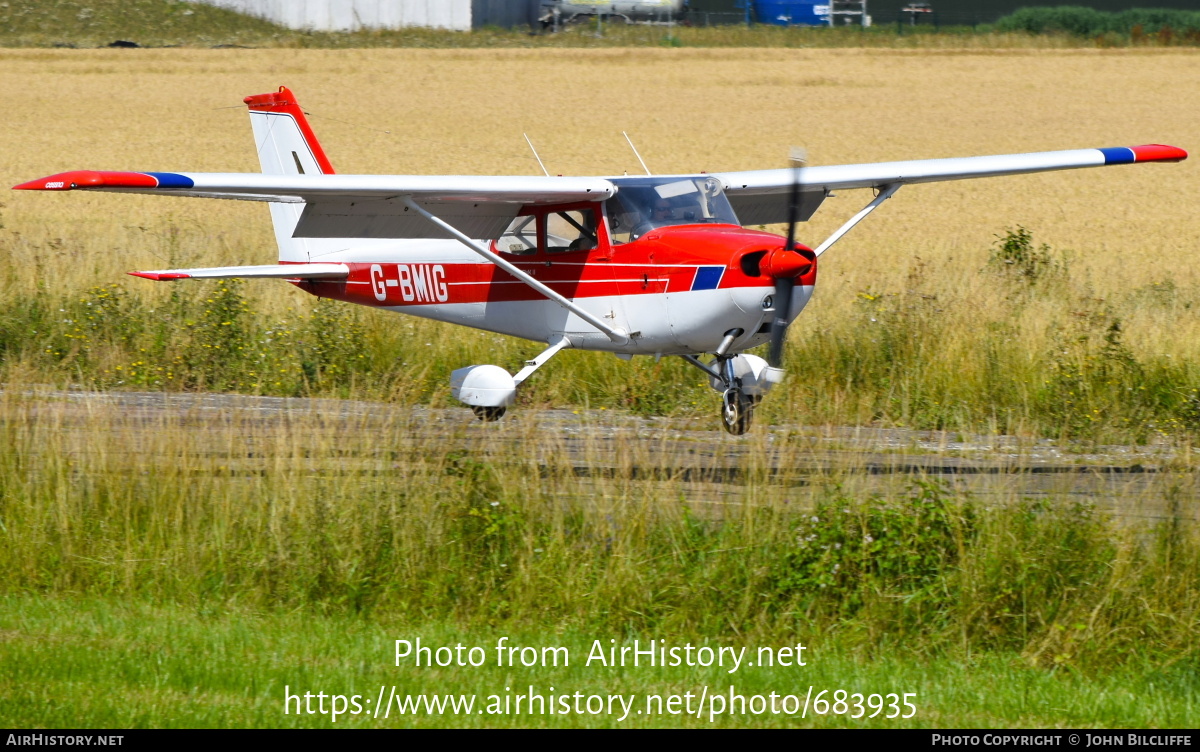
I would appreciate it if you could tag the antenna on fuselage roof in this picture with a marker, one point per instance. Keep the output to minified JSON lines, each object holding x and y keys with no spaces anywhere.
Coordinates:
{"x":635,"y":152}
{"x":535,"y":155}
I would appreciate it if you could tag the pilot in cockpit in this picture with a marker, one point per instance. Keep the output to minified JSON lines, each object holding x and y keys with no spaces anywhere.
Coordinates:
{"x":662,"y":211}
{"x":644,"y":204}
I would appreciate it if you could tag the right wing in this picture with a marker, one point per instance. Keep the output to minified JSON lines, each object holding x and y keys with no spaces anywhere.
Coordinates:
{"x":356,"y":206}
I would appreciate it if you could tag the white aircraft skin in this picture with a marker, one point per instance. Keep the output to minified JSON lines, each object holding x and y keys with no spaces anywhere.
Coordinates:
{"x":654,"y":265}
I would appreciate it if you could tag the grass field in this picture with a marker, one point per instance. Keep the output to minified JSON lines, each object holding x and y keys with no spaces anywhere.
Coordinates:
{"x":173,"y":570}
{"x":73,"y":663}
{"x":911,"y":324}
{"x":195,"y":552}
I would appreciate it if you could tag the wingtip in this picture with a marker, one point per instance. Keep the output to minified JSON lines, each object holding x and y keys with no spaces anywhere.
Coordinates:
{"x":69,"y":181}
{"x":159,"y":276}
{"x":1159,"y":153}
{"x":61,"y":182}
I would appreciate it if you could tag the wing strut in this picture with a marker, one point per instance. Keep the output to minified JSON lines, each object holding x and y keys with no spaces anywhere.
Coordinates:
{"x":619,"y":336}
{"x":884,"y":195}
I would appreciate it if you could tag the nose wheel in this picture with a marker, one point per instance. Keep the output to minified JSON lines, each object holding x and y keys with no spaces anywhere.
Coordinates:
{"x":736,"y":411}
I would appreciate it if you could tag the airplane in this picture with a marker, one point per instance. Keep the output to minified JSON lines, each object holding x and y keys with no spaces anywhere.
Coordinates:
{"x":648,"y":265}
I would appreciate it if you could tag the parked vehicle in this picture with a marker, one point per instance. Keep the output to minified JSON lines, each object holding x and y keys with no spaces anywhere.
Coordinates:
{"x":630,"y":11}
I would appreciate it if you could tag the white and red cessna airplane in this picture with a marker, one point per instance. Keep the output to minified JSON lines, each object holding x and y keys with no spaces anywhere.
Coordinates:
{"x":656,"y":265}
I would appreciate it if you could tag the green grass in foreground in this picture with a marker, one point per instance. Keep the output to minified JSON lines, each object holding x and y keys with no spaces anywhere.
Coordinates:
{"x":184,"y":573}
{"x":94,"y":663}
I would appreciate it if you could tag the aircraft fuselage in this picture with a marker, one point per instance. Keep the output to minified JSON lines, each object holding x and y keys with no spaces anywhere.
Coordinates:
{"x":676,"y":289}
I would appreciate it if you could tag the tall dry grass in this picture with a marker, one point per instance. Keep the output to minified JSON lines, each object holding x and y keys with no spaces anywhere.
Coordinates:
{"x":984,"y":350}
{"x":365,"y":509}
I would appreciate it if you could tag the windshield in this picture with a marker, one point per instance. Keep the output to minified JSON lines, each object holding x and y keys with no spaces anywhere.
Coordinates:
{"x":644,"y":204}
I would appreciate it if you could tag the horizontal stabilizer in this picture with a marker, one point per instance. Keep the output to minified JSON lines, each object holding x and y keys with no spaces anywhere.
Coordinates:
{"x":269,"y":271}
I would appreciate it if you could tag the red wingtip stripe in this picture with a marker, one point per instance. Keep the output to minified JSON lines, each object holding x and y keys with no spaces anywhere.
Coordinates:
{"x":285,"y":101}
{"x":1158,"y":153}
{"x":159,"y":277}
{"x":66,"y":181}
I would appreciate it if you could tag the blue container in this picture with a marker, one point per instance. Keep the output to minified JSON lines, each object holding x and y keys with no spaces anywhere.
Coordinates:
{"x":792,"y":12}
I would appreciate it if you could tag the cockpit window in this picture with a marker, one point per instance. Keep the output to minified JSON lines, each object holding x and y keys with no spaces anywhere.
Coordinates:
{"x":552,"y":232}
{"x":644,"y":204}
{"x":520,"y":239}
{"x":573,"y":230}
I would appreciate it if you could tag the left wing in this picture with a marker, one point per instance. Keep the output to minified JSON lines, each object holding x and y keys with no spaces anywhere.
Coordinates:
{"x":356,"y":206}
{"x":761,"y":196}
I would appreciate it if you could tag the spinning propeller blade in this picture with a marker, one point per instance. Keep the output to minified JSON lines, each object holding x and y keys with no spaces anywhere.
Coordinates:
{"x":785,"y":283}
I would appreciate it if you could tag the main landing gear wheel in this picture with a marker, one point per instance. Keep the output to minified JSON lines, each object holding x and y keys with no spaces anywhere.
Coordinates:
{"x":736,"y":411}
{"x":488,"y":414}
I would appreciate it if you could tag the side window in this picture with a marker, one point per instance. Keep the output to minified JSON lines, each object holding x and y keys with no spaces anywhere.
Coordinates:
{"x":573,"y":230}
{"x":623,"y":216}
{"x":520,"y":239}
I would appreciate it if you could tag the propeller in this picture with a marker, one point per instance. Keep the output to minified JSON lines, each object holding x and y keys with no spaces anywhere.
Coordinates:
{"x":786,"y":265}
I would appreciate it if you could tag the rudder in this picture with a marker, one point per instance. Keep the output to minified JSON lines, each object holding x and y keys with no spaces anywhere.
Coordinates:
{"x":286,"y":145}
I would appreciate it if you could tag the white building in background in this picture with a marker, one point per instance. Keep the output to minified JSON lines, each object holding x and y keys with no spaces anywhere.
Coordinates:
{"x":351,"y":15}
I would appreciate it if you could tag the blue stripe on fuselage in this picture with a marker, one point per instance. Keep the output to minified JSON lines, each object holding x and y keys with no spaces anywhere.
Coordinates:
{"x":708,"y":277}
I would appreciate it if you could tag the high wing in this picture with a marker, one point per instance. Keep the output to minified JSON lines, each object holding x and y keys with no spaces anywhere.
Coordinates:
{"x":356,"y":206}
{"x":376,"y":206}
{"x":761,"y":196}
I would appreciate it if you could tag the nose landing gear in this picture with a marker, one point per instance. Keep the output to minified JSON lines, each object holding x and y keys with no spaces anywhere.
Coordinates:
{"x":742,"y":381}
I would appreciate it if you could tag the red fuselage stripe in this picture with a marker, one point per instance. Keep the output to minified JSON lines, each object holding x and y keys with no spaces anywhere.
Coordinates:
{"x":393,"y":284}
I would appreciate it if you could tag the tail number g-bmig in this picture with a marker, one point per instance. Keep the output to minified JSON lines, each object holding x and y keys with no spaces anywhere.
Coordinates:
{"x":420,"y":283}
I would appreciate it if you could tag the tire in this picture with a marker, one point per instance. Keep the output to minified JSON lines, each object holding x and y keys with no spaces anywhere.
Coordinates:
{"x":736,"y":412}
{"x":489,"y":414}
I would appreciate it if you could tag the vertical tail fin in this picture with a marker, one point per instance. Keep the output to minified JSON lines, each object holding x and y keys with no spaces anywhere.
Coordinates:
{"x":287,"y":146}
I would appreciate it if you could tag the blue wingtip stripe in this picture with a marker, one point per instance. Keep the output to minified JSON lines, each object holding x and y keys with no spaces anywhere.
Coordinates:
{"x":1118,"y":155}
{"x":172,"y":180}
